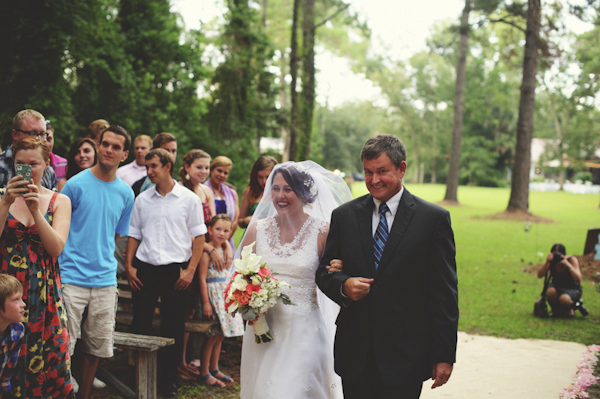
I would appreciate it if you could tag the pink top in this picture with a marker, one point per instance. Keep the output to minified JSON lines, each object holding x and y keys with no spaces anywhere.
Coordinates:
{"x":59,"y":164}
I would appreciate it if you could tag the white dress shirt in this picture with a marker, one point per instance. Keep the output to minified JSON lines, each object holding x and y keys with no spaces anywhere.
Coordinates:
{"x":165,"y":225}
{"x":392,"y":204}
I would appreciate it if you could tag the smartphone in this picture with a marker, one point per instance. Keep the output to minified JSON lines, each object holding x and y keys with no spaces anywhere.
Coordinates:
{"x":25,"y":171}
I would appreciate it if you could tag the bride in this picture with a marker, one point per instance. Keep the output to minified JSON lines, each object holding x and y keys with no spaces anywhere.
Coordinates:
{"x":290,"y":228}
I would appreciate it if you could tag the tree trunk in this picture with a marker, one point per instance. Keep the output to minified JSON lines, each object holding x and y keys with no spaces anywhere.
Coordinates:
{"x":459,"y":105}
{"x":293,"y":93}
{"x":308,"y":78}
{"x":519,"y":192}
{"x":263,"y":14}
{"x":562,"y":176}
{"x":285,"y":134}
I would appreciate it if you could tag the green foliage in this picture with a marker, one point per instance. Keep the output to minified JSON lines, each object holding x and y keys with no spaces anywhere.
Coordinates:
{"x":126,"y":61}
{"x":241,"y":108}
{"x":583,"y":176}
{"x":344,"y":131}
{"x":33,"y":64}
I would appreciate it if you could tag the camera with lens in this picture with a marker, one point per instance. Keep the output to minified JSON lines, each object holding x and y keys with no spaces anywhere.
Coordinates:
{"x":557,"y":258}
{"x":579,"y":306}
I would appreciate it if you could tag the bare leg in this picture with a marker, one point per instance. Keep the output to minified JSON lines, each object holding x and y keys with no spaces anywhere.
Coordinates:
{"x":186,"y":337}
{"x":216,"y":353}
{"x":184,"y":368}
{"x":552,"y":298}
{"x":89,"y":365}
{"x":205,"y":358}
{"x":566,"y":304}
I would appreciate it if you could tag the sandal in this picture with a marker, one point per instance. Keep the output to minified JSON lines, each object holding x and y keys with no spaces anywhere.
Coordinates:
{"x":185,"y":375}
{"x":218,"y":383}
{"x":225,"y":378}
{"x":189,"y":370}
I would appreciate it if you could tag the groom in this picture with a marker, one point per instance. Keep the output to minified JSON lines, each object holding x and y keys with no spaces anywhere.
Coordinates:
{"x":398,"y":287}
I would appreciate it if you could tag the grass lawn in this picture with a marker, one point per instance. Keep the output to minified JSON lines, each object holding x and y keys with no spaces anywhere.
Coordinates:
{"x":494,"y":257}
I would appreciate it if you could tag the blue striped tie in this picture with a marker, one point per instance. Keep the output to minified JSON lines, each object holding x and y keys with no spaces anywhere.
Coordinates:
{"x":381,"y":234}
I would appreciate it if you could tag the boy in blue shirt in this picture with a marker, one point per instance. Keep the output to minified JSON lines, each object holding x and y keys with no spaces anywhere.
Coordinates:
{"x":102,"y":205}
{"x":12,"y":311}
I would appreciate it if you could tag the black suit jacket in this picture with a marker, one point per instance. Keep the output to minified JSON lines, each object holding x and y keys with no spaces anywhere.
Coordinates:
{"x":409,"y":319}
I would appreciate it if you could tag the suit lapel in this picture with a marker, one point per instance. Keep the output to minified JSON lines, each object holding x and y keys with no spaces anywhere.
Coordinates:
{"x":404,"y":214}
{"x":365,"y":223}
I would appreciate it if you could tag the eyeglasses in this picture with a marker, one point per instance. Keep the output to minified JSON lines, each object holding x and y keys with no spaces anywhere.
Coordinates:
{"x":41,"y":135}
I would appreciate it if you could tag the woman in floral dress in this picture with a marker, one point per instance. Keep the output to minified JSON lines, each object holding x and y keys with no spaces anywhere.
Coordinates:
{"x":36,"y":225}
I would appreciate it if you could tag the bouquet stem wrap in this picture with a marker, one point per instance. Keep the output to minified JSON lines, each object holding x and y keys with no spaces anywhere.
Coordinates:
{"x":262,"y":332}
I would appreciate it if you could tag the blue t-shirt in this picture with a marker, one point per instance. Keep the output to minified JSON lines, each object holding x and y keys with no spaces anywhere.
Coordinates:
{"x":100,"y":210}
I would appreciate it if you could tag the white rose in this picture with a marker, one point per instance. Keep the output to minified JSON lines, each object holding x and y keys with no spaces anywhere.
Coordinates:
{"x":256,"y":280}
{"x":239,"y":283}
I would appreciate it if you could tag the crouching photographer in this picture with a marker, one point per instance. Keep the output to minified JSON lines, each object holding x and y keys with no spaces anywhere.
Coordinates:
{"x":564,"y":290}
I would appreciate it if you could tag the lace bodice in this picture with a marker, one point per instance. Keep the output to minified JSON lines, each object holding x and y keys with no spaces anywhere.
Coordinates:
{"x":294,"y":262}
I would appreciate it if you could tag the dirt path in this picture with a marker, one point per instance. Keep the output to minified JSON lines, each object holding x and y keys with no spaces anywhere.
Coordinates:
{"x":501,"y":368}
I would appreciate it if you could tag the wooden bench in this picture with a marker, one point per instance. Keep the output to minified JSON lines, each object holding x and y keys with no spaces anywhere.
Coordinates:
{"x":145,"y":348}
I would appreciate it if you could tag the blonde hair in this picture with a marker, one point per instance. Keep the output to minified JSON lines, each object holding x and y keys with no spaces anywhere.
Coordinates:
{"x":96,"y":127}
{"x":21,"y":115}
{"x":9,"y":285}
{"x":143,"y":137}
{"x":221,"y":160}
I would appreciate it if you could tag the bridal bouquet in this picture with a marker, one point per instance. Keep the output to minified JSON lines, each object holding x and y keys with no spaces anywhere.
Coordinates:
{"x":252,"y":290}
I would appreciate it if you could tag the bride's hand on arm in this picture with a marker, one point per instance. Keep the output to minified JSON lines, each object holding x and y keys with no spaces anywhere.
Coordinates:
{"x":335,"y":266}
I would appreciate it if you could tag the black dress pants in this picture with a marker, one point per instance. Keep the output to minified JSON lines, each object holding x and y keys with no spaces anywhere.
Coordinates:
{"x":371,"y":385}
{"x":159,"y":281}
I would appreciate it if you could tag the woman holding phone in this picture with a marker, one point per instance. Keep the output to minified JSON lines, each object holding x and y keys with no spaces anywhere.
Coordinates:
{"x":36,"y":224}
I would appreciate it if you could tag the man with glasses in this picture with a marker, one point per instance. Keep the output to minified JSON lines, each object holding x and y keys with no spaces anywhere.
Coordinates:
{"x":28,"y":122}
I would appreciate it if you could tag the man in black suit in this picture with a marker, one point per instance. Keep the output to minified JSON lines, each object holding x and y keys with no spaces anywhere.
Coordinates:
{"x":398,"y":287}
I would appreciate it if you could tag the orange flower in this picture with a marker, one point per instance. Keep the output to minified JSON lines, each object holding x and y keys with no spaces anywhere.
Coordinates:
{"x":241,"y":297}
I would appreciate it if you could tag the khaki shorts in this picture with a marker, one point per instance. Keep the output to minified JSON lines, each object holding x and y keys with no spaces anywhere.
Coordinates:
{"x":96,"y":334}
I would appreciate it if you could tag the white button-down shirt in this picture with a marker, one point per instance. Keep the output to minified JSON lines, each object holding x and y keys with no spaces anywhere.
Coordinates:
{"x":165,"y":225}
{"x":392,"y":204}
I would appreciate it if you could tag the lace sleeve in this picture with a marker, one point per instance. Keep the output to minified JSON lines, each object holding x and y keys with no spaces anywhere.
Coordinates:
{"x":323,"y":226}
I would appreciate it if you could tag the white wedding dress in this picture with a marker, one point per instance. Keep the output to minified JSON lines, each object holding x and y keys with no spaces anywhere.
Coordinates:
{"x":298,"y":363}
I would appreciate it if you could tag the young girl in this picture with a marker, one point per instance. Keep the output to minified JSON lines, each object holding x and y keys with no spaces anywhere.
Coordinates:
{"x":212,"y":286}
{"x":195,"y":170}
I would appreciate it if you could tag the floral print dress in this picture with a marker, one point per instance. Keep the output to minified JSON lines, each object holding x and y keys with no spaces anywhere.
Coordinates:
{"x":44,"y":367}
{"x":231,"y":326}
